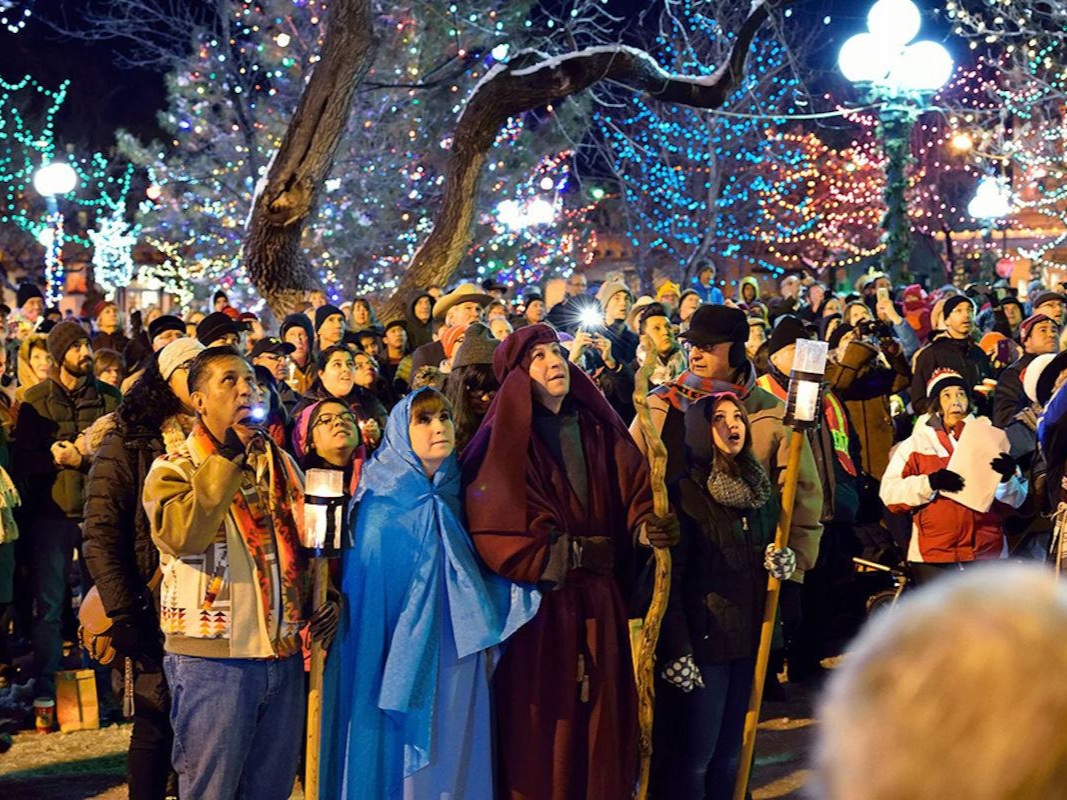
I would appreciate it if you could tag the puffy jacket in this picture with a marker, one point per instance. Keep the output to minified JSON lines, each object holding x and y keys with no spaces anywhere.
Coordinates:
{"x":962,"y":355}
{"x":117,"y":541}
{"x":49,"y":414}
{"x":719,"y":583}
{"x":943,"y":531}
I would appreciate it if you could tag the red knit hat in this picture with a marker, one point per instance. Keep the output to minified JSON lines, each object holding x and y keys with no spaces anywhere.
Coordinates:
{"x":942,"y":378}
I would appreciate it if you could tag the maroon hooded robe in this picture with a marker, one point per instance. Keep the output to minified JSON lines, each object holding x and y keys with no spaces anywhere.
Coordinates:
{"x":564,"y":690}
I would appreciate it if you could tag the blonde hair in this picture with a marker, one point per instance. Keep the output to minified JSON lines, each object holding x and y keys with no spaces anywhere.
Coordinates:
{"x":957,"y":693}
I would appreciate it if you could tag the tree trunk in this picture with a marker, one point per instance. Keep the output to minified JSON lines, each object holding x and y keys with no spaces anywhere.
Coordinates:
{"x":272,"y":252}
{"x":530,"y":81}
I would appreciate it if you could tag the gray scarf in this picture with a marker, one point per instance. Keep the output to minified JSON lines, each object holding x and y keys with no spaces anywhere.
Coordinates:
{"x":749,"y":489}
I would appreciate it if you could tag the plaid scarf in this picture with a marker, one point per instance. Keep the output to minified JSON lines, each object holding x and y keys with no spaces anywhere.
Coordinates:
{"x":281,"y":567}
{"x":689,"y":388}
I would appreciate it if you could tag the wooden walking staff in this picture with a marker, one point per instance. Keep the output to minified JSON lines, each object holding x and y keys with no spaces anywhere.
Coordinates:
{"x":321,"y":537}
{"x":803,"y":412}
{"x":645,"y":649}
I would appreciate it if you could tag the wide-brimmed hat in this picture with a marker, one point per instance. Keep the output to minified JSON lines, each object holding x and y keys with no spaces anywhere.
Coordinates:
{"x":464,"y":293}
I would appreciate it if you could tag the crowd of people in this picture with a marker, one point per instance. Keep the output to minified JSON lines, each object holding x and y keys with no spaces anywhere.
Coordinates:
{"x":501,"y":525}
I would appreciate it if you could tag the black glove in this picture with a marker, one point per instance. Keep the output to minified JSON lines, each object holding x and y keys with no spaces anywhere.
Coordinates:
{"x":327,"y":617}
{"x":663,"y":531}
{"x":945,"y":480}
{"x":127,"y":639}
{"x":232,"y":447}
{"x":1005,"y":465}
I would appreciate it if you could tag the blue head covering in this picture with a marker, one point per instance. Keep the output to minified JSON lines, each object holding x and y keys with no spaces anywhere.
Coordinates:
{"x":412,"y":561}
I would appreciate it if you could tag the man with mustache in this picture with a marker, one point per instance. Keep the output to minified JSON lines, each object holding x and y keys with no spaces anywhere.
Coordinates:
{"x":51,"y":472}
{"x":557,"y":495}
{"x":223,"y":512}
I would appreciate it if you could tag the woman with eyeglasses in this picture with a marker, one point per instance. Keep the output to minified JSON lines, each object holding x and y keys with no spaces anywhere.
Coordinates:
{"x":472,"y":385}
{"x":336,"y":377}
{"x":326,"y":436}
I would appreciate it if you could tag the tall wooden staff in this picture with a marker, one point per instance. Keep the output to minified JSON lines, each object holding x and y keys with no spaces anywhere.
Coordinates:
{"x":645,"y":652}
{"x":322,"y":538}
{"x":803,"y":411}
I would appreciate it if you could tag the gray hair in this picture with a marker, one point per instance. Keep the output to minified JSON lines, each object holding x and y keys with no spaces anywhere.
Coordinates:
{"x":961,"y":692}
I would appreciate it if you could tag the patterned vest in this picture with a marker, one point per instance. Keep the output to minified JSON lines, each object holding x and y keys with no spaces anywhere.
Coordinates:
{"x":833,"y":415}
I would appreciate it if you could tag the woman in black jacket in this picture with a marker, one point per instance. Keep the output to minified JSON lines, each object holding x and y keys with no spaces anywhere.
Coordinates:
{"x":728,"y":511}
{"x":155,"y":417}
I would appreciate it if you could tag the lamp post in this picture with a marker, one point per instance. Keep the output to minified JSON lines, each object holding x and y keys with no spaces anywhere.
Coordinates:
{"x":51,"y":180}
{"x":899,"y":75}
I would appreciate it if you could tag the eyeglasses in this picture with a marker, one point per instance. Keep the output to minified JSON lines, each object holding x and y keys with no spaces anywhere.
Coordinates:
{"x":347,"y":417}
{"x":480,"y":390}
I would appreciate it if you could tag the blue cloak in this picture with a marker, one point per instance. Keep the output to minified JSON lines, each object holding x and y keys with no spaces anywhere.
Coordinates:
{"x":406,"y":699}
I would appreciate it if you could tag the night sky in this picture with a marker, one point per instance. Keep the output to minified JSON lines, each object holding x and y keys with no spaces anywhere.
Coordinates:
{"x":105,"y":97}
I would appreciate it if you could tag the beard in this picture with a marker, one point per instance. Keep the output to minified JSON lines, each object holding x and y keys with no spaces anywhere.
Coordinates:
{"x":79,"y":369}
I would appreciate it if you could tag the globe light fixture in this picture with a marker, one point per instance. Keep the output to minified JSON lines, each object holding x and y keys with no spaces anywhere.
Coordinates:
{"x":516,"y":216}
{"x":887,"y":57}
{"x":898,"y":74}
{"x":55,"y":178}
{"x":992,"y":199}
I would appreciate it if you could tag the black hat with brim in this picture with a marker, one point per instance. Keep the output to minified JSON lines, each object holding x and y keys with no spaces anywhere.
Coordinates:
{"x":713,"y":323}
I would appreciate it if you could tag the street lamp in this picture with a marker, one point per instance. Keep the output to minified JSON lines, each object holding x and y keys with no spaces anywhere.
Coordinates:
{"x":992,"y":199}
{"x":899,"y":74}
{"x":51,"y":180}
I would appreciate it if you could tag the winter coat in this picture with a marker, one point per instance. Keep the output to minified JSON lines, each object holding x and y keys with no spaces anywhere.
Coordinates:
{"x":770,"y":445}
{"x":49,"y":414}
{"x":1009,"y":398}
{"x":864,"y":384}
{"x":840,"y":486}
{"x":117,"y":542}
{"x":962,"y":355}
{"x":116,"y":341}
{"x":944,"y":531}
{"x":718,"y":580}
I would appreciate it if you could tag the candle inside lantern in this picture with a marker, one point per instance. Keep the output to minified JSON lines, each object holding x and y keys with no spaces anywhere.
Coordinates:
{"x":323,"y":511}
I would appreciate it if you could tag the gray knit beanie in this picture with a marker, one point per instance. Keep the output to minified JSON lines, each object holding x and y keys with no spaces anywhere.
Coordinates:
{"x":63,"y":337}
{"x":477,"y":347}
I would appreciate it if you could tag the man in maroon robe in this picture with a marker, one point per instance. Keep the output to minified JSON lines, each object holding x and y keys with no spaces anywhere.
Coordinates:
{"x":557,"y":494}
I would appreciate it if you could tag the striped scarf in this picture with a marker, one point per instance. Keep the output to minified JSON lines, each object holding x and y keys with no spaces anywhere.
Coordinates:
{"x":281,"y":567}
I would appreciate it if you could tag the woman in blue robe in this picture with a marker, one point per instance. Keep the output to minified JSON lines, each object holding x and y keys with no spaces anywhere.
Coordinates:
{"x":406,"y":707}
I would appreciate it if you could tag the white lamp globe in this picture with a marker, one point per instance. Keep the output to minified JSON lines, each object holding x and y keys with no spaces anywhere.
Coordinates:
{"x":55,"y":178}
{"x":864,"y":58}
{"x":923,"y":66}
{"x":540,"y":212}
{"x":992,"y":199}
{"x":896,"y":21}
{"x":500,"y":52}
{"x":510,"y":213}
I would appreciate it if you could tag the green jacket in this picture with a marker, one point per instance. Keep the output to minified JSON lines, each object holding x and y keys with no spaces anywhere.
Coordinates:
{"x":49,"y":414}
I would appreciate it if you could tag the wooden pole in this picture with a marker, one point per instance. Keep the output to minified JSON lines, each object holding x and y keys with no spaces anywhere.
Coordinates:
{"x":320,"y":570}
{"x":645,"y":655}
{"x":770,"y":613}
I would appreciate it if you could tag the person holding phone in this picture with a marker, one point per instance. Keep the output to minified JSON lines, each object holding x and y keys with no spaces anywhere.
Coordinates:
{"x":236,"y":591}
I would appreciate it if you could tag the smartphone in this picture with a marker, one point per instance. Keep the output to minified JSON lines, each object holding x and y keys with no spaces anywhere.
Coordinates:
{"x":883,"y":293}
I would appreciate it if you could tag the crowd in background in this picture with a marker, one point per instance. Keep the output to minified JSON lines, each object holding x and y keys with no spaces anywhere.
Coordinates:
{"x":107,"y":430}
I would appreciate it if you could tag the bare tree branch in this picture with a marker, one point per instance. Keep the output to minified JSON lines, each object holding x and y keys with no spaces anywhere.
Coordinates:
{"x":530,"y":81}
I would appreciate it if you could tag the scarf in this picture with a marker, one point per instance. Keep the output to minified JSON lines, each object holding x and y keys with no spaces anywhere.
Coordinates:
{"x":690,"y":388}
{"x":749,"y":489}
{"x":284,"y":506}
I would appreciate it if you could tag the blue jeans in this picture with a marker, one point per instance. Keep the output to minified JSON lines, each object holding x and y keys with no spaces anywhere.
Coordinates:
{"x":238,"y":725}
{"x":698,"y":737}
